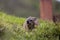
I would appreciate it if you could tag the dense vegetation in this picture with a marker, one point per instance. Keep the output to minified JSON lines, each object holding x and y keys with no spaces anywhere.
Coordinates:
{"x":11,"y":29}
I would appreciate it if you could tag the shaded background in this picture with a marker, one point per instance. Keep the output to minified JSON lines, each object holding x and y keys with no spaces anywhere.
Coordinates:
{"x":25,"y":8}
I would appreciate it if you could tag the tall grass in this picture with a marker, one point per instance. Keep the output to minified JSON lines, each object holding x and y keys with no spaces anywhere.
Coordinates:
{"x":11,"y":29}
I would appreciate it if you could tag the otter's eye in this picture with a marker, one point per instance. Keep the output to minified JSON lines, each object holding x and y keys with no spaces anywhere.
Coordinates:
{"x":27,"y":22}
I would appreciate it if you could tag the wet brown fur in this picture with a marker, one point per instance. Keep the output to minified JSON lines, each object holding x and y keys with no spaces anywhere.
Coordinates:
{"x":30,"y":23}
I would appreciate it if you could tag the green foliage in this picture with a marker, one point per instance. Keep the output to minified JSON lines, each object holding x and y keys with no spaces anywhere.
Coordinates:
{"x":11,"y":19}
{"x":12,"y":28}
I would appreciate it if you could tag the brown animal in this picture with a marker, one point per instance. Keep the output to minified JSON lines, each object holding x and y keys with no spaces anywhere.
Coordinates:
{"x":56,"y":18}
{"x":30,"y":23}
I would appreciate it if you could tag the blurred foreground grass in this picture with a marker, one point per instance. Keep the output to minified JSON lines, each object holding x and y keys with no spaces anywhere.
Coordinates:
{"x":11,"y":29}
{"x":11,"y":19}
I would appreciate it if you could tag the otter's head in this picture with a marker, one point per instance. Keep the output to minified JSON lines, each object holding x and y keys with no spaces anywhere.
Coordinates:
{"x":31,"y":22}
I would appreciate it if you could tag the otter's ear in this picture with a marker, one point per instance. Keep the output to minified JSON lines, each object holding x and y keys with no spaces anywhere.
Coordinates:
{"x":27,"y":22}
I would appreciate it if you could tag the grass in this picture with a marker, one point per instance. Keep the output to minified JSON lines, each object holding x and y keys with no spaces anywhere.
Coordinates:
{"x":11,"y":29}
{"x":11,"y":19}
